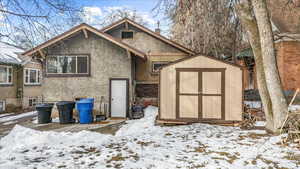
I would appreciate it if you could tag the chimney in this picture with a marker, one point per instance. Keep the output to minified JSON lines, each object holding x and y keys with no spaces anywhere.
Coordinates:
{"x":157,"y":30}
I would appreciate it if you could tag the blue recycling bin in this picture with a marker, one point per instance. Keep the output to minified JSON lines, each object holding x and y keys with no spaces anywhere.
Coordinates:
{"x":85,"y":110}
{"x":90,"y":100}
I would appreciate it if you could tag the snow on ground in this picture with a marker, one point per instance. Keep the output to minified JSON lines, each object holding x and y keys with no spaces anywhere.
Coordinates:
{"x":260,"y":123}
{"x":294,"y":107}
{"x":10,"y":122}
{"x":140,"y":144}
{"x":253,"y":104}
{"x":19,"y":116}
{"x":5,"y":114}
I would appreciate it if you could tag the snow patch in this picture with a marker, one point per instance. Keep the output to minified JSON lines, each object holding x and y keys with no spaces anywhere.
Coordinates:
{"x":253,"y":104}
{"x":141,"y":144}
{"x":260,"y":123}
{"x":143,"y":125}
{"x":10,"y":53}
{"x":5,"y":114}
{"x":10,"y":122}
{"x":16,"y":117}
{"x":294,"y":107}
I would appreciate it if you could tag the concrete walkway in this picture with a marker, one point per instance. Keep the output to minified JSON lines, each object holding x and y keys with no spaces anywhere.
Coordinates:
{"x":109,"y":126}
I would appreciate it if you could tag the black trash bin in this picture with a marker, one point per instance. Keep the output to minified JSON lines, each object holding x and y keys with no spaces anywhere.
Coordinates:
{"x":44,"y":112}
{"x":137,"y":112}
{"x":65,"y":110}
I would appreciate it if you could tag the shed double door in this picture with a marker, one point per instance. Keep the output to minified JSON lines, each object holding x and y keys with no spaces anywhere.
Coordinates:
{"x":200,"y":93}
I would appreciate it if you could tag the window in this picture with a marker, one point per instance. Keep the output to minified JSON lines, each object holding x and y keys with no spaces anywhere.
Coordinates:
{"x":32,"y":101}
{"x":75,"y":64}
{"x":127,"y":34}
{"x":5,"y":75}
{"x":32,"y":76}
{"x":158,"y":65}
{"x":2,"y":105}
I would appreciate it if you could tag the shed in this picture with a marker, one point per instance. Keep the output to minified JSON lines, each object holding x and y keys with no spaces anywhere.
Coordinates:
{"x":201,"y":89}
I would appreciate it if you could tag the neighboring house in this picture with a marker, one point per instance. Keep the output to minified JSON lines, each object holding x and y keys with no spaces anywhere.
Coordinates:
{"x":20,"y":80}
{"x":108,"y":65}
{"x":287,"y":46}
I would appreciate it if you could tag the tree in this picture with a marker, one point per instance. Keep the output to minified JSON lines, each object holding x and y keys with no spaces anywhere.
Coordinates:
{"x":208,"y":27}
{"x":259,"y":31}
{"x":35,"y":21}
{"x":213,"y":18}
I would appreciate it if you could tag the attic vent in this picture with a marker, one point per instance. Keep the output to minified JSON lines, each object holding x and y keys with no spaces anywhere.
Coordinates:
{"x":127,"y":35}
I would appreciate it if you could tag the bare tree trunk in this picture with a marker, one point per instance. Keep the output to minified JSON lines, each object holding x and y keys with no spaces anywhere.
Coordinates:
{"x":248,"y":21}
{"x":279,"y":105}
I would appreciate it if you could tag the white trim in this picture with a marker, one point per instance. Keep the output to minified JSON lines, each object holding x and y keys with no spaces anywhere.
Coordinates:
{"x":34,"y":103}
{"x":38,"y":76}
{"x":7,"y":75}
{"x":76,"y":71}
{"x":3,"y":102}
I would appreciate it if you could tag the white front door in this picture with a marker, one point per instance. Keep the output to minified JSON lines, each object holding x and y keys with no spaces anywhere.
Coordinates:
{"x":118,"y":98}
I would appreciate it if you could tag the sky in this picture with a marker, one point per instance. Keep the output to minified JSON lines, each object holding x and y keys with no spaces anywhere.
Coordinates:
{"x":144,"y":8}
{"x":92,"y":12}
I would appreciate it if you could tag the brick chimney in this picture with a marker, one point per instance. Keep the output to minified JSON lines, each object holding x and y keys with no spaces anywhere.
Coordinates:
{"x":157,"y":30}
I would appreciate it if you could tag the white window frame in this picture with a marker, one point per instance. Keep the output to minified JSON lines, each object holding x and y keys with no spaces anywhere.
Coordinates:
{"x":9,"y":73}
{"x":76,"y":60}
{"x":38,"y":76}
{"x":33,"y":103}
{"x":3,"y":104}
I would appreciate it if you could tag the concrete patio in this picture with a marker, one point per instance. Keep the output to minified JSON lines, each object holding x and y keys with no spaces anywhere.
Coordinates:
{"x":110,"y":126}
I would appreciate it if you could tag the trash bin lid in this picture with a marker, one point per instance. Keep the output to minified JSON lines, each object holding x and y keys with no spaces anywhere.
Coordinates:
{"x":44,"y":105}
{"x":61,"y":103}
{"x":83,"y":101}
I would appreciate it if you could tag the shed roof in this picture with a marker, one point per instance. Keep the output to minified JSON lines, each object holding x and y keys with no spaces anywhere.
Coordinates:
{"x":154,"y":34}
{"x":200,"y":55}
{"x":85,"y":27}
{"x":10,"y":54}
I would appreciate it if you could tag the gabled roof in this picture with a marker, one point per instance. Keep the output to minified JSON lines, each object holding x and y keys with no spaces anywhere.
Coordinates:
{"x":201,"y":55}
{"x":85,"y":27}
{"x":154,"y":34}
{"x":10,"y":54}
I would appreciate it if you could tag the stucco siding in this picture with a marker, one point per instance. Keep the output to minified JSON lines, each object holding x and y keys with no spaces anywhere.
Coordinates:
{"x":107,"y":61}
{"x":8,"y":93}
{"x":30,"y":91}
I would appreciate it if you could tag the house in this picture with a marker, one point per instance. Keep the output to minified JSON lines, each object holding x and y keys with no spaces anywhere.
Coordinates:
{"x":160,"y":51}
{"x":201,"y":89}
{"x":112,"y":65}
{"x":288,"y":63}
{"x":20,"y":80}
{"x":285,"y":20}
